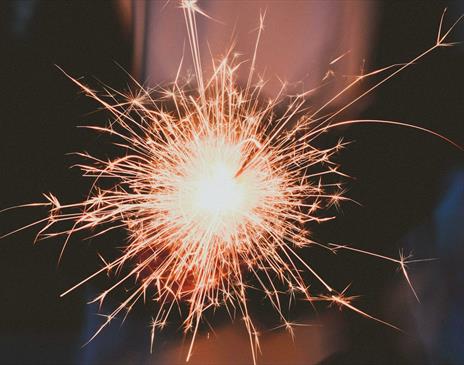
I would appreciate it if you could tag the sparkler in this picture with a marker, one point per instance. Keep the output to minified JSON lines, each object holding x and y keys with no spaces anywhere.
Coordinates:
{"x":213,"y":187}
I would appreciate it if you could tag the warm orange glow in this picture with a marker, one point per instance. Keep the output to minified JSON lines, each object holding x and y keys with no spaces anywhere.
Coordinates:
{"x":215,"y":191}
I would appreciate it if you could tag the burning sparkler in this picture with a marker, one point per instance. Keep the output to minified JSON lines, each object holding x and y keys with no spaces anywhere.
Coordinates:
{"x":214,"y":190}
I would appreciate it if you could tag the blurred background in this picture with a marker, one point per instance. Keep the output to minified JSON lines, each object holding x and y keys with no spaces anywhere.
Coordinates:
{"x":410,"y":184}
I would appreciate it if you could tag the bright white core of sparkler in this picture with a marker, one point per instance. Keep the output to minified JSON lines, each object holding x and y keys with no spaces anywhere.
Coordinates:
{"x":210,"y":196}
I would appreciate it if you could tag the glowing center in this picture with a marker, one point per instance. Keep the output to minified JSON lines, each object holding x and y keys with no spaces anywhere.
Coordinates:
{"x":218,"y":192}
{"x":211,"y":200}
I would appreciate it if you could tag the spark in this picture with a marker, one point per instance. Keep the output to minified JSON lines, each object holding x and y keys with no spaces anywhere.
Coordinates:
{"x":215,"y":191}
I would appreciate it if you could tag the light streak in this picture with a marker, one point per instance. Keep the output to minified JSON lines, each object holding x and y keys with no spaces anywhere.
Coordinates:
{"x":215,"y":191}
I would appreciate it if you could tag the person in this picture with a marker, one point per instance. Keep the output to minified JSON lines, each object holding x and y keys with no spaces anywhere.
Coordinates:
{"x":297,"y":45}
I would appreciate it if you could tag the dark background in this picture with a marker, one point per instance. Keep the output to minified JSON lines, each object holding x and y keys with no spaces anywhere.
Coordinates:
{"x":410,"y":184}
